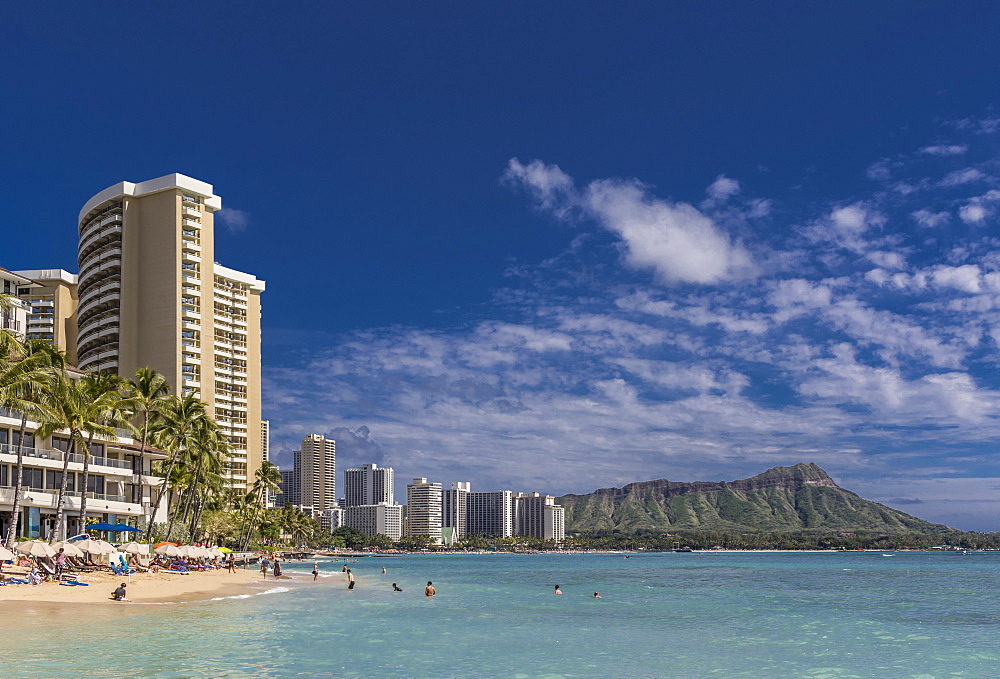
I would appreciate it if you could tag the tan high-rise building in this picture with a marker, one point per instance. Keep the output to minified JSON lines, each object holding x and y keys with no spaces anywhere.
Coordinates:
{"x":151,"y":294}
{"x":316,"y":468}
{"x":52,"y":308}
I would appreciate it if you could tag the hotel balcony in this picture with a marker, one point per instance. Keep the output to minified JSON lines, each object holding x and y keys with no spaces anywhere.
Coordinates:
{"x":49,"y":499}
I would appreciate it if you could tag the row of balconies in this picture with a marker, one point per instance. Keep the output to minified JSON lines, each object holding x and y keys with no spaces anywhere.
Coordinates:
{"x":108,"y":216}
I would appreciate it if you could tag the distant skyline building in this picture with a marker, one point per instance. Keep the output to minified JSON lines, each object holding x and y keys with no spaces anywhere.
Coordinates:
{"x":289,"y":489}
{"x":368,"y":485}
{"x":423,"y":509}
{"x":539,"y":516}
{"x":316,"y":472}
{"x":454,"y":509}
{"x":490,"y":513}
{"x":150,"y":293}
{"x":385,"y":519}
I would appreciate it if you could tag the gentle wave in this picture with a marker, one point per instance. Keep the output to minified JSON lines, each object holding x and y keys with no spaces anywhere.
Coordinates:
{"x":273,"y":590}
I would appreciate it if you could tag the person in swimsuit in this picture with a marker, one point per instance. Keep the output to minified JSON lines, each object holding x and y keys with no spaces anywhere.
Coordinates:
{"x":558,"y":591}
{"x":395,"y":588}
{"x":350,"y":579}
{"x":429,"y":589}
{"x":597,"y":596}
{"x":315,"y":571}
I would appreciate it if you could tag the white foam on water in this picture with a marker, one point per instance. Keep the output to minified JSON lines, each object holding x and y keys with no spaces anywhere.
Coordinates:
{"x":273,"y":590}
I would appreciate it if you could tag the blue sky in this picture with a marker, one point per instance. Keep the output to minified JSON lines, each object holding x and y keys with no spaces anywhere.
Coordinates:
{"x":568,"y":246}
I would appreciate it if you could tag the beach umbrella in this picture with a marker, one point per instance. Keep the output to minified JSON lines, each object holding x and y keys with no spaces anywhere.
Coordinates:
{"x":69,"y":548}
{"x":100,"y":526}
{"x":35,"y":548}
{"x":121,"y":527}
{"x":224,"y":550}
{"x":189,"y":551}
{"x":215,"y":552}
{"x":168,"y":549}
{"x":98,"y":547}
{"x":6,"y":554}
{"x":135,"y":548}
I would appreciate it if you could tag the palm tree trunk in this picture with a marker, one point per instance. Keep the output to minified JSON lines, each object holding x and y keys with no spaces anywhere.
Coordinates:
{"x":86,"y":472}
{"x":159,"y":496}
{"x":62,"y":488}
{"x":19,"y":479}
{"x":253,"y":521}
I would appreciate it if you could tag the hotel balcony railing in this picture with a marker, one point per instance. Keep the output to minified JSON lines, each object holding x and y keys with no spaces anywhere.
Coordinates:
{"x":57,"y":455}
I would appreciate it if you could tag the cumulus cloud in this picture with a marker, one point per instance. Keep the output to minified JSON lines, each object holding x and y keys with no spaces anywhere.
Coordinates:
{"x":236,"y":221}
{"x":973,"y":213}
{"x":930,"y":219}
{"x":722,"y":189}
{"x":847,"y":227}
{"x":964,"y":176}
{"x":676,"y":241}
{"x":945,"y":150}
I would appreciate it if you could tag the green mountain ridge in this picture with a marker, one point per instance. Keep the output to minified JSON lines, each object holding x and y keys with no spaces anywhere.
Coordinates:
{"x":796,"y":498}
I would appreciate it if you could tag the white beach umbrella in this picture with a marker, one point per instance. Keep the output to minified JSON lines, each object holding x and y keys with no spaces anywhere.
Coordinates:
{"x":135,"y":548}
{"x":190,"y":551}
{"x":168,"y":550}
{"x":97,"y":547}
{"x":69,"y":548}
{"x":215,"y":553}
{"x":6,"y":554}
{"x":35,"y":548}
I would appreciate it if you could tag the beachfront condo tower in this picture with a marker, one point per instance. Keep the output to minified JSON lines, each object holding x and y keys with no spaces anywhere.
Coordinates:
{"x":316,"y":472}
{"x":152,"y":294}
{"x":490,"y":513}
{"x":453,"y":510}
{"x":539,"y":516}
{"x":51,"y":305}
{"x":423,"y":510}
{"x":368,"y":485}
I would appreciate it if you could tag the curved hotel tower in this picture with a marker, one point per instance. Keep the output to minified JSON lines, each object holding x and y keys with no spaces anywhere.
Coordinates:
{"x":151,"y":294}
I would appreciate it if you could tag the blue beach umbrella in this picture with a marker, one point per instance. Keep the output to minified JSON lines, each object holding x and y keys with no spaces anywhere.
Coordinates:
{"x":101,"y":526}
{"x":122,"y":527}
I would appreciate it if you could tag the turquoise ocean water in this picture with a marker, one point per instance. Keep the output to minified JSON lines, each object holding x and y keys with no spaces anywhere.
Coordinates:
{"x":662,"y":615}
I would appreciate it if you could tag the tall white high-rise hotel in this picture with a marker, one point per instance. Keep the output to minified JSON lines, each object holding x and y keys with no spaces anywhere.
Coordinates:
{"x":150,"y":293}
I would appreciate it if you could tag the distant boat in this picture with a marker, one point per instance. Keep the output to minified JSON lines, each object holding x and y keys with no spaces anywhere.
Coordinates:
{"x":888,"y":555}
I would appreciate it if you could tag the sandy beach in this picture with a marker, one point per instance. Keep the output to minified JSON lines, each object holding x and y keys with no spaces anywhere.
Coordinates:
{"x":142,"y":588}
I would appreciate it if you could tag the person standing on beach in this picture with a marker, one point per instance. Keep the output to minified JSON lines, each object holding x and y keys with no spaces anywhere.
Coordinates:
{"x":60,"y":562}
{"x":231,"y":562}
{"x":350,"y":579}
{"x":277,"y":569}
{"x":264,"y":564}
{"x":315,"y":571}
{"x":429,"y":589}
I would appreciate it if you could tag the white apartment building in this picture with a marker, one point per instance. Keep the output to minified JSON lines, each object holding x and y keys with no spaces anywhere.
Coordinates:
{"x":15,"y":319}
{"x":120,"y":486}
{"x":454,"y":502}
{"x":385,"y":519}
{"x":368,"y":485}
{"x":423,"y":509}
{"x":539,"y":516}
{"x":490,"y":513}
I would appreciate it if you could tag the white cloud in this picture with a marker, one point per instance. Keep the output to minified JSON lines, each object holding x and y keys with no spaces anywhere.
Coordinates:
{"x":846,"y":226}
{"x":973,"y":213}
{"x":964,"y":176}
{"x":676,"y":241}
{"x":234,"y":220}
{"x":945,"y":149}
{"x":723,"y":188}
{"x":887,"y":260}
{"x":929,"y":219}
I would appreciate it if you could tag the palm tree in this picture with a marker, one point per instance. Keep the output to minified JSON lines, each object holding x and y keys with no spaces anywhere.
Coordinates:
{"x":176,"y":428}
{"x":108,"y":405}
{"x":24,"y":378}
{"x":266,"y":480}
{"x":68,"y":407}
{"x":150,"y":393}
{"x":9,"y":343}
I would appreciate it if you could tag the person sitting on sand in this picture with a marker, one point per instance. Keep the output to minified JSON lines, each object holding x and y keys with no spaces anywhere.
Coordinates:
{"x":558,"y":591}
{"x":34,"y":577}
{"x":119,"y":594}
{"x":429,"y":589}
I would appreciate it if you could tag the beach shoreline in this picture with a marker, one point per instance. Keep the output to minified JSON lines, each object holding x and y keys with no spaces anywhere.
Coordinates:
{"x":20,"y":601}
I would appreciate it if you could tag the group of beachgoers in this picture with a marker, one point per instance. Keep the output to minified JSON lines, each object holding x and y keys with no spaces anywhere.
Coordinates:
{"x":64,"y":569}
{"x":559,"y":591}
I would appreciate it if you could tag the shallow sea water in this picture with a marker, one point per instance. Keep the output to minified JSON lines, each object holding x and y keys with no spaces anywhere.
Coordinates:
{"x":823,"y":616}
